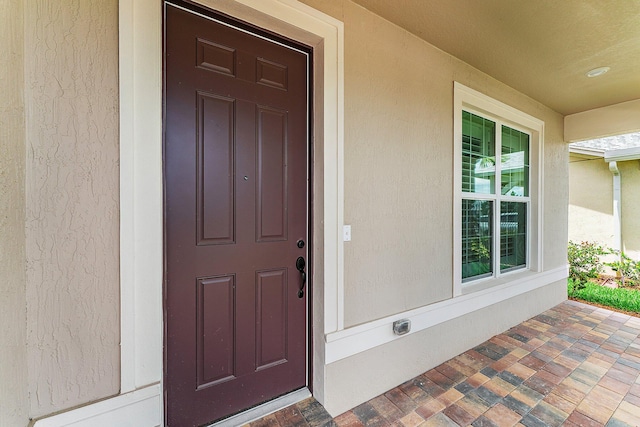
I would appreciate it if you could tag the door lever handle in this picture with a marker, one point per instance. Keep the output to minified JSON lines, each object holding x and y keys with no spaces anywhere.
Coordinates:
{"x":300,"y":265}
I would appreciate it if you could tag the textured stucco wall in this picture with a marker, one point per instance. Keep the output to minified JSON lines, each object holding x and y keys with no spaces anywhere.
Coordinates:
{"x":398,"y":158}
{"x":398,"y":180}
{"x":71,"y":92}
{"x":14,"y":409}
{"x":590,"y":200}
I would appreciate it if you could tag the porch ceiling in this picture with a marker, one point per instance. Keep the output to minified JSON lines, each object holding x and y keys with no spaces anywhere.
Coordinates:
{"x":542,"y":48}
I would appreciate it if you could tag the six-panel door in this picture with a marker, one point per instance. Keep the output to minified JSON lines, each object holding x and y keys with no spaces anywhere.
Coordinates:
{"x":236,"y":162}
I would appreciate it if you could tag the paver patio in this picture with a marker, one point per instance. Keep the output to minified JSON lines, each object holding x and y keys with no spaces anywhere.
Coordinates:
{"x":573,"y":365}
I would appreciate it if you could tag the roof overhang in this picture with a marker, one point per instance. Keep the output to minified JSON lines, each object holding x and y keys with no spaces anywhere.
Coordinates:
{"x":586,"y":151}
{"x":622,"y":154}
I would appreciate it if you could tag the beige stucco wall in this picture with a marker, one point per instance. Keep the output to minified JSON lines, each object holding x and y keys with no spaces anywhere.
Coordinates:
{"x":398,"y":164}
{"x":590,"y":200}
{"x":399,"y":195}
{"x":397,"y":177}
{"x":398,"y":198}
{"x":72,"y":285}
{"x":14,"y":409}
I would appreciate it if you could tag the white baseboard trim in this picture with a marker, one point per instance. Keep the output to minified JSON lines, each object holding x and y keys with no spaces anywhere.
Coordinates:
{"x":139,"y":408}
{"x":143,"y":408}
{"x":354,"y":340}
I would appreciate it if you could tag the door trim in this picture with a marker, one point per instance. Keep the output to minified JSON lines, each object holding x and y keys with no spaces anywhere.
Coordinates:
{"x":141,"y":247}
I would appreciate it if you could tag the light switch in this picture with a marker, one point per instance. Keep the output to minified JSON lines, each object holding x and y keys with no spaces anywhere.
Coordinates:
{"x":347,"y":233}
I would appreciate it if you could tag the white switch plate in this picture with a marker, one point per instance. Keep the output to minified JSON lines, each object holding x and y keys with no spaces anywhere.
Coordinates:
{"x":346,"y":233}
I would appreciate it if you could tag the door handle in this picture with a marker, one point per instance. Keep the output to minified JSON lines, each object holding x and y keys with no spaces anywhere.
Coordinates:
{"x":300,"y":265}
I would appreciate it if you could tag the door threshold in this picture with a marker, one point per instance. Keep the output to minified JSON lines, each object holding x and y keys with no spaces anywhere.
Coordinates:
{"x":264,"y":409}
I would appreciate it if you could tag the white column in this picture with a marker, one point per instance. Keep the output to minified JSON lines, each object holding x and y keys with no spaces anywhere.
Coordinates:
{"x":617,"y":214}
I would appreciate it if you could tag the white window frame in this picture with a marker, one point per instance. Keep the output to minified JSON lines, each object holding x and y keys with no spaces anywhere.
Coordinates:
{"x":467,"y":99}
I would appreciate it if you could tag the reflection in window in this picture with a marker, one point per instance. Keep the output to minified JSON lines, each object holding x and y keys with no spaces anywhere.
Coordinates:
{"x":478,"y":154}
{"x":513,"y":235}
{"x":514,"y":163}
{"x":477,"y":232}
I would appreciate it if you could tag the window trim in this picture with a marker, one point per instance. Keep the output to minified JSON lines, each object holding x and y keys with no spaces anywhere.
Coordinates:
{"x":475,"y":102}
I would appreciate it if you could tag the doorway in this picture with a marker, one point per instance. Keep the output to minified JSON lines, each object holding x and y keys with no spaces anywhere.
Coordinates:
{"x":236,"y":179}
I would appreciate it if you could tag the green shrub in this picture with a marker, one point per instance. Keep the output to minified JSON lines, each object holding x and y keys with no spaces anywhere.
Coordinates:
{"x":573,"y":286}
{"x":584,"y":261}
{"x":627,"y":268}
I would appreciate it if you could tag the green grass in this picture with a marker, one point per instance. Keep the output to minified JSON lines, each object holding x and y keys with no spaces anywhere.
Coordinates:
{"x":620,"y":298}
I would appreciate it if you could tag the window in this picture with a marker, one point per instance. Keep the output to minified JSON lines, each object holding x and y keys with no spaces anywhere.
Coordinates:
{"x":496,"y":190}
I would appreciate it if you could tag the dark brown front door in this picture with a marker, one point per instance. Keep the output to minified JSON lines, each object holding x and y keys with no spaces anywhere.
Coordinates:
{"x":236,"y":187}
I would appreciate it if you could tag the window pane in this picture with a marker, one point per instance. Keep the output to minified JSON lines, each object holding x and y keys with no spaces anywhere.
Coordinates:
{"x":477,"y":232}
{"x":478,"y":154}
{"x":515,"y":162}
{"x":513,"y":235}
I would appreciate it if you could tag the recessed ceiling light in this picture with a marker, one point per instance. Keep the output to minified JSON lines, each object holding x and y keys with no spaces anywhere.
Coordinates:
{"x":598,"y":71}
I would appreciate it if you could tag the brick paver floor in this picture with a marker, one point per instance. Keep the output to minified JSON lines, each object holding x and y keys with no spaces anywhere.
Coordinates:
{"x":573,"y":365}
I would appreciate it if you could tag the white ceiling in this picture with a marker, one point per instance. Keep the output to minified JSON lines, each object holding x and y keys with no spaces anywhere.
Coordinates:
{"x":542,"y":48}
